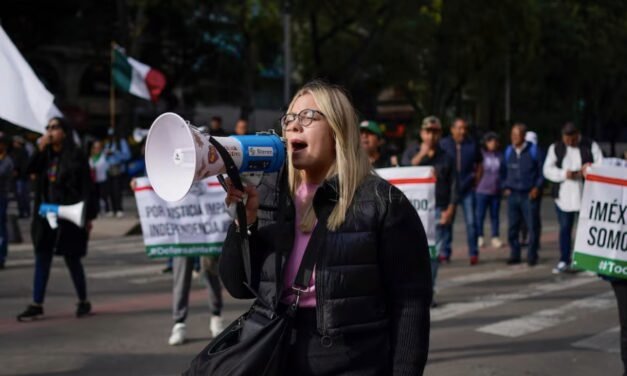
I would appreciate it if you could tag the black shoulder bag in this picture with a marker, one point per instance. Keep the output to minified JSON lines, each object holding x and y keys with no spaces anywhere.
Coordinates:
{"x":256,"y":344}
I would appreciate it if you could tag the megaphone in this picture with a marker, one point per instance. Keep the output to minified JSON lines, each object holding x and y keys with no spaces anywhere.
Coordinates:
{"x":73,"y":213}
{"x":139,"y":134}
{"x":178,"y":154}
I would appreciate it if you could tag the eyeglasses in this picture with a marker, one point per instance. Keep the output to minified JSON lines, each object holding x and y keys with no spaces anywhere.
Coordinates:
{"x":52,"y":127}
{"x":305,"y":118}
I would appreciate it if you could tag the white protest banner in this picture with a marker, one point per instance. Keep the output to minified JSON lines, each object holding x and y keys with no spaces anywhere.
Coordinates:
{"x":418,"y":184}
{"x":601,"y":243}
{"x":195,"y":225}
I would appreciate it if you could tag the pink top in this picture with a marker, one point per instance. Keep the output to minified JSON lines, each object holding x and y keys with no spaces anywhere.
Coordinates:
{"x":304,"y":193}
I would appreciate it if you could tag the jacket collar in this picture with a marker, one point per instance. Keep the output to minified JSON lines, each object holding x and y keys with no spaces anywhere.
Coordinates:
{"x":327,"y":195}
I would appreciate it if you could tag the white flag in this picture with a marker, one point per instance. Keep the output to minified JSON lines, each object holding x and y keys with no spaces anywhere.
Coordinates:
{"x":24,"y":101}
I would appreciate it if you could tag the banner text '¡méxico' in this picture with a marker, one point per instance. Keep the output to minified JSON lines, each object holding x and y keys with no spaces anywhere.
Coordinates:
{"x":183,"y":211}
{"x":610,"y":212}
{"x":189,"y":229}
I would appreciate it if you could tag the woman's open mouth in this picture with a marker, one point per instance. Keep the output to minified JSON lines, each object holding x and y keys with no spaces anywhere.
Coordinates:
{"x":298,"y":145}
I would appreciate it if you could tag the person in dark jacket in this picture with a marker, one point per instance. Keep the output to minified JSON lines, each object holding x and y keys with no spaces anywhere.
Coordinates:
{"x":20,"y":158}
{"x":466,"y":154}
{"x":63,"y":178}
{"x":372,"y":142}
{"x":6,"y":174}
{"x":522,"y":186}
{"x":429,"y":153}
{"x":366,"y":310}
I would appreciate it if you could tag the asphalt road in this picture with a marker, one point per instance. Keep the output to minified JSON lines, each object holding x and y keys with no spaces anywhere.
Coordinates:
{"x":492,"y":319}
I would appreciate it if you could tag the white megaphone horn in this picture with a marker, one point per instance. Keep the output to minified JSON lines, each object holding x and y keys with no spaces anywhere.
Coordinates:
{"x":73,"y":213}
{"x":178,"y":154}
{"x":139,"y":134}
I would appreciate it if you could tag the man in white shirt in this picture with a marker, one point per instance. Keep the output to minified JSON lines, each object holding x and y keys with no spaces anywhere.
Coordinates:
{"x":565,"y":166}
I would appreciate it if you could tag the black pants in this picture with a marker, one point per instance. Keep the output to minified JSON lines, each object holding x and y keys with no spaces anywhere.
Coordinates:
{"x":115,"y":192}
{"x":355,"y":354}
{"x":620,"y":290}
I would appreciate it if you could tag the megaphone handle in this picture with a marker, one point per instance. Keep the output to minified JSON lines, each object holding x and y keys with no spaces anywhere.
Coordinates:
{"x":233,"y":173}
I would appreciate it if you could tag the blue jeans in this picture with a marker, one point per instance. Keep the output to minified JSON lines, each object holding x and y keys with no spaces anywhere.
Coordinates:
{"x":566,"y":221}
{"x":441,"y":236}
{"x":493,"y":202}
{"x":467,"y":203}
{"x":521,"y":208}
{"x":43,"y":263}
{"x":4,"y":236}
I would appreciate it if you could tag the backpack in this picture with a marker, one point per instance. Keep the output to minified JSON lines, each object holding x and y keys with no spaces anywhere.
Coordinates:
{"x":585,"y":150}
{"x":533,"y":150}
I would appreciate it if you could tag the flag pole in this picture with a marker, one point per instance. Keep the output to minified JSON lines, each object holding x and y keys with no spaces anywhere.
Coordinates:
{"x":112,"y":91}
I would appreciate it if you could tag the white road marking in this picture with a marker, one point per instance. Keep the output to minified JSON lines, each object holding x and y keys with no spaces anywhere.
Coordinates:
{"x":451,"y":310}
{"x":608,"y":341}
{"x":483,"y":276}
{"x":551,"y":317}
{"x":126,"y":272}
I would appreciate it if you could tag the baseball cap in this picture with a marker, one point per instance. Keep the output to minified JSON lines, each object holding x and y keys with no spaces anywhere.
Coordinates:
{"x":432,"y":123}
{"x":370,"y":126}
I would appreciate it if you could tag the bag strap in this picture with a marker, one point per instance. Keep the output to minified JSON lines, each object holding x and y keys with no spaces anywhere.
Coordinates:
{"x":307,"y":264}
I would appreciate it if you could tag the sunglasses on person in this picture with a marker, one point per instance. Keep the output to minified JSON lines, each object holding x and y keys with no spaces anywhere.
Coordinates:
{"x":52,"y":127}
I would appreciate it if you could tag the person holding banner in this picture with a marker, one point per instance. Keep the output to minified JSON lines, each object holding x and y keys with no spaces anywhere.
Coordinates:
{"x":371,"y":142}
{"x":63,"y":178}
{"x":522,"y":187}
{"x":366,"y":310}
{"x":565,"y":164}
{"x":431,"y":154}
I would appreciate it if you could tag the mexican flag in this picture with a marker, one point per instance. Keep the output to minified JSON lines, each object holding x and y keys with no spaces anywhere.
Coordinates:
{"x":135,"y":77}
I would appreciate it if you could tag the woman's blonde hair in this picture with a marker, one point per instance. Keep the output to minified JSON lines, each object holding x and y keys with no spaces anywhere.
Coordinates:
{"x":351,"y":163}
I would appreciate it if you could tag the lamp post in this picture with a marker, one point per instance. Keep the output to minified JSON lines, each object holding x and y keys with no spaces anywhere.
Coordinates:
{"x":287,"y":53}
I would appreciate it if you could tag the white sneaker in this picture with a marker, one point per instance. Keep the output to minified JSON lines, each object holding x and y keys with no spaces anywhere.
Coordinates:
{"x":178,"y":334}
{"x":561,"y":267}
{"x":216,"y":326}
{"x":480,"y":241}
{"x":496,"y":243}
{"x":119,"y":214}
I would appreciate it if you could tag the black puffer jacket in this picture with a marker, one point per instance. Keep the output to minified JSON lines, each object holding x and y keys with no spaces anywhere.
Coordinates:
{"x":373,"y":275}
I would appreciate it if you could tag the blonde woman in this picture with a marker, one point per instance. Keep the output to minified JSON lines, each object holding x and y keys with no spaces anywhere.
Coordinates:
{"x":366,"y":310}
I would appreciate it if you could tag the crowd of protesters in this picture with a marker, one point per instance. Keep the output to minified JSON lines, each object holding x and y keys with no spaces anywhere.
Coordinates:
{"x":476,"y":175}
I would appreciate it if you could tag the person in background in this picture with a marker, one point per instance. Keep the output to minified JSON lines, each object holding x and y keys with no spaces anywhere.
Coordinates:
{"x":489,"y":188}
{"x":522,"y":186}
{"x":241,"y":127}
{"x":532,"y":137}
{"x":183,"y":268}
{"x":466,"y":154}
{"x":20,"y":158}
{"x":99,"y":168}
{"x":117,"y":153}
{"x":430,"y":153}
{"x":371,"y":142}
{"x":565,"y":166}
{"x":63,"y":178}
{"x":215,"y":127}
{"x":6,"y":175}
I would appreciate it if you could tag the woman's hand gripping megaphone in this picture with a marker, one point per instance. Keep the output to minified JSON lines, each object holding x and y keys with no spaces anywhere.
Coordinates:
{"x":249,"y":197}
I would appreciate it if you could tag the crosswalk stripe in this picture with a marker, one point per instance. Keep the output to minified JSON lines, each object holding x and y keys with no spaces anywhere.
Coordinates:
{"x":607,"y":341}
{"x":126,"y":272}
{"x":551,"y":317}
{"x":457,"y":309}
{"x":483,"y":276}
